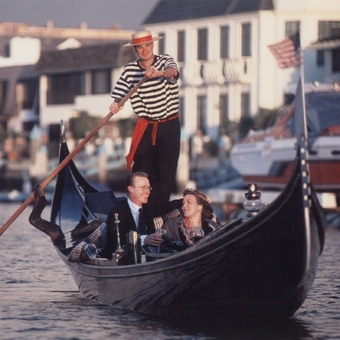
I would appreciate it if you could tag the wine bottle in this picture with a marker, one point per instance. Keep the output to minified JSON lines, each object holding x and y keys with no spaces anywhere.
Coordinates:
{"x":142,"y":252}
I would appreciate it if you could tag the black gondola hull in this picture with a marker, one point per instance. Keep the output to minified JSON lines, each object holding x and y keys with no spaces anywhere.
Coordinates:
{"x":255,"y":267}
{"x":263,"y":265}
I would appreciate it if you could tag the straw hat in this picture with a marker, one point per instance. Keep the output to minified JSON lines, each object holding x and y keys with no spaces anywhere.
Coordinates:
{"x":142,"y":37}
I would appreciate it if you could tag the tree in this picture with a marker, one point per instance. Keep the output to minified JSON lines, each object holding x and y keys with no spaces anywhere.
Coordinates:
{"x":246,"y":123}
{"x":266,"y":118}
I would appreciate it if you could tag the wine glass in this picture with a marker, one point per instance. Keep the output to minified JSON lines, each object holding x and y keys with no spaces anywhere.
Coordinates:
{"x":160,"y":232}
{"x":198,"y":234}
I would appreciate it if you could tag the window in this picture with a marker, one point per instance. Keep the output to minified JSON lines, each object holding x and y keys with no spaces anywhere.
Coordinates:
{"x":30,"y":92}
{"x":320,"y":58}
{"x":181,"y":46}
{"x":288,"y":98}
{"x":329,"y":30}
{"x":224,"y":110}
{"x":161,"y":44}
{"x":202,"y":44}
{"x":224,"y":42}
{"x":336,"y":60}
{"x":246,"y":40}
{"x":202,"y":113}
{"x":101,"y":81}
{"x":292,"y":27}
{"x":3,"y":93}
{"x":7,"y":50}
{"x":62,"y":88}
{"x":181,"y":110}
{"x":245,"y":104}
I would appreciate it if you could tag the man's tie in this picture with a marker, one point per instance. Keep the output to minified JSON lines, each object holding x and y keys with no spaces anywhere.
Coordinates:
{"x":142,"y":229}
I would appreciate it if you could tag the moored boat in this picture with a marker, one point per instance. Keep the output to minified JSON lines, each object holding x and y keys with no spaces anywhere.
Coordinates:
{"x":266,"y":157}
{"x":262,"y":265}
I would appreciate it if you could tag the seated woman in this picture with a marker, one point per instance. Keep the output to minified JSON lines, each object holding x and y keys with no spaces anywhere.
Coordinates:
{"x":197,"y":220}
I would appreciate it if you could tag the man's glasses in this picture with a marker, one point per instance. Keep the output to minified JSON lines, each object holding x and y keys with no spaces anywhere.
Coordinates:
{"x":144,"y":187}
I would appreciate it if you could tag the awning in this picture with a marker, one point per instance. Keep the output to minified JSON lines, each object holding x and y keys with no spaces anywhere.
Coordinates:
{"x":325,"y":45}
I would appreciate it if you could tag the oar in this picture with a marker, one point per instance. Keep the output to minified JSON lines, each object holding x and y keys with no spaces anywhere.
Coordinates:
{"x":69,"y":157}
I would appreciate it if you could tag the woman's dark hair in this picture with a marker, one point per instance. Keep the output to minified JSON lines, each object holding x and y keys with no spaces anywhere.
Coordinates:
{"x":202,"y":199}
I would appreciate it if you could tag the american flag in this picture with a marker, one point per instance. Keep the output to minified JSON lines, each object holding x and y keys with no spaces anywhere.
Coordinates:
{"x":287,"y":52}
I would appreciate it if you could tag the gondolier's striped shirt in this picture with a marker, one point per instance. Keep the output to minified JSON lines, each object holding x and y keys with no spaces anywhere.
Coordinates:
{"x":157,"y":98}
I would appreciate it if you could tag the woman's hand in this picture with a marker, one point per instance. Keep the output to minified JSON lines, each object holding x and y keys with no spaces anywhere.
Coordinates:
{"x":153,"y":240}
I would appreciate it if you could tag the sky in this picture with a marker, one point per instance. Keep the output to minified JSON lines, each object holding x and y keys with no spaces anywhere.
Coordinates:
{"x":128,"y":14}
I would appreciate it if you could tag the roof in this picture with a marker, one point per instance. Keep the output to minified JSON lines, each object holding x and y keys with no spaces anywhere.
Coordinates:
{"x":330,"y":44}
{"x":179,"y":10}
{"x":92,"y":57}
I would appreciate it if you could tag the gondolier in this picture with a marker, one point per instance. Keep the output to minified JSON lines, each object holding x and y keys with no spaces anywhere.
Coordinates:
{"x":156,"y":140}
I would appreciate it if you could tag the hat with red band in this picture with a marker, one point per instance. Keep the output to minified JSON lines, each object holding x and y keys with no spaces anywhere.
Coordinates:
{"x":142,"y":37}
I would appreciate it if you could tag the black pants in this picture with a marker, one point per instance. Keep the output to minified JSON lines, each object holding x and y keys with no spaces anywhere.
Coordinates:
{"x":159,"y":161}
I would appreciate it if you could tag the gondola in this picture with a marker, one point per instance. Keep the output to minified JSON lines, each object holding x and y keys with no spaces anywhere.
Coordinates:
{"x":263,"y":265}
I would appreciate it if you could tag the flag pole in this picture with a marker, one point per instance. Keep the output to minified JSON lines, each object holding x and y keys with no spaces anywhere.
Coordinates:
{"x":288,"y":53}
{"x":302,"y":139}
{"x":302,"y":77}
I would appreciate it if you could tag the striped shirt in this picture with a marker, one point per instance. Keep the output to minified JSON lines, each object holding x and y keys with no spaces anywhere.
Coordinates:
{"x":157,"y":98}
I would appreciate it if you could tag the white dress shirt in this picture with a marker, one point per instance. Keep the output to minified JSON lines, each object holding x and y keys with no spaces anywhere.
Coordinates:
{"x":135,"y":213}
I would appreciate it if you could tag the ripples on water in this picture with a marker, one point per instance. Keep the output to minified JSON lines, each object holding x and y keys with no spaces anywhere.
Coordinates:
{"x":39,"y":299}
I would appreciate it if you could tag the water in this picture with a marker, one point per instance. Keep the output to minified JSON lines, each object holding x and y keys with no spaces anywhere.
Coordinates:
{"x":39,"y":300}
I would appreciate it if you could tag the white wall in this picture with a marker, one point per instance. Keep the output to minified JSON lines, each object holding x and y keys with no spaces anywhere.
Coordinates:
{"x":23,"y":51}
{"x":307,"y":5}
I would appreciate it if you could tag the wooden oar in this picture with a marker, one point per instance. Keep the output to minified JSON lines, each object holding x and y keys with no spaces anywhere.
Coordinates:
{"x":69,"y":157}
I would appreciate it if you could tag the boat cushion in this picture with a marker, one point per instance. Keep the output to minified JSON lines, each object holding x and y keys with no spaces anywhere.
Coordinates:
{"x":101,"y":203}
{"x":96,"y":240}
{"x":87,"y":229}
{"x":159,"y":221}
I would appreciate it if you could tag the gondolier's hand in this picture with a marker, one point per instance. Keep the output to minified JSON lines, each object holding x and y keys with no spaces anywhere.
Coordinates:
{"x":153,"y":240}
{"x":152,"y":72}
{"x":114,"y":108}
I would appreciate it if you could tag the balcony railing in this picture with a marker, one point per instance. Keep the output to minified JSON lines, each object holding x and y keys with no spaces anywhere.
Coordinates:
{"x":217,"y":71}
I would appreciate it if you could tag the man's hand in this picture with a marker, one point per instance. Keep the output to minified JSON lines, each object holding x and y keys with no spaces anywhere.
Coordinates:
{"x":114,"y":108}
{"x":152,"y":72}
{"x":153,"y":240}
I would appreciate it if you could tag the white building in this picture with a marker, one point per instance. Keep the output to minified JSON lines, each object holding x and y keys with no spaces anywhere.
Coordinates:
{"x":18,"y":84}
{"x":221,"y":47}
{"x":32,"y":58}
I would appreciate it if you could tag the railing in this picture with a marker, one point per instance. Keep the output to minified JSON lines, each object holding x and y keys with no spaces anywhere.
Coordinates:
{"x":217,"y":71}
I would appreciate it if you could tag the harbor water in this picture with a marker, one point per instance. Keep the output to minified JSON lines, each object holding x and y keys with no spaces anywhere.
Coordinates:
{"x":39,"y":300}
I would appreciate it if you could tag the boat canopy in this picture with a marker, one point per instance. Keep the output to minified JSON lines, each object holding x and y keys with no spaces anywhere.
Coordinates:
{"x":323,"y":112}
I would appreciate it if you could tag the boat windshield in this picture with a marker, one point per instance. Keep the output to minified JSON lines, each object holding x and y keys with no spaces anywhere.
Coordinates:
{"x":322,"y":110}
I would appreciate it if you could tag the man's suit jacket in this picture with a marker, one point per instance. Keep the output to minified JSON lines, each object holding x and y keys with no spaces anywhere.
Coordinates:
{"x":126,"y":224}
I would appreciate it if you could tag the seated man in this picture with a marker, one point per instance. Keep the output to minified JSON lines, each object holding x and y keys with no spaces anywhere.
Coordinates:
{"x":131,"y":215}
